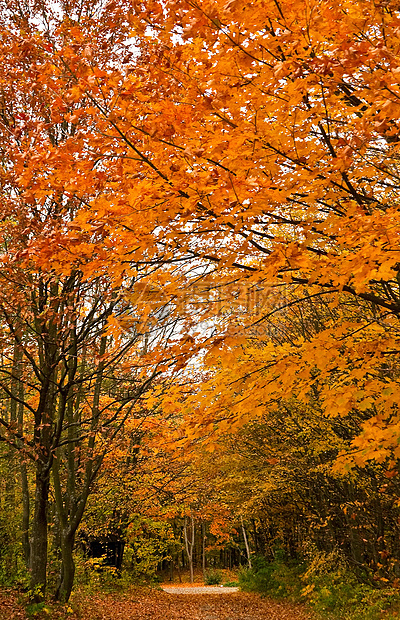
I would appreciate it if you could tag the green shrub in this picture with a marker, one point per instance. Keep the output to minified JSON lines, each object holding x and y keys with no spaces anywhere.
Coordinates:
{"x":231,"y":584}
{"x":213,"y":578}
{"x":334,"y":592}
{"x":277,"y":579}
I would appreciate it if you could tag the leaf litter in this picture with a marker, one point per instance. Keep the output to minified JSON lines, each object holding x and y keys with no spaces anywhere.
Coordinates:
{"x":156,"y":605}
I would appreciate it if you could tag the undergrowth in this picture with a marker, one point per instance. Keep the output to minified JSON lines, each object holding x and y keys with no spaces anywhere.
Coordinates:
{"x":326,"y":584}
{"x":213,"y":577}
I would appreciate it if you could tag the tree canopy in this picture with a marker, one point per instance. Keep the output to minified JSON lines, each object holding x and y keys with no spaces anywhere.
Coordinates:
{"x":199,"y":218}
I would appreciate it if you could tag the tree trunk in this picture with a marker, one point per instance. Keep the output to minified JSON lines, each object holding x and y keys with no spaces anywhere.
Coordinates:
{"x":246,"y":544}
{"x":69,"y":508}
{"x":67,"y":573}
{"x":204,"y":538}
{"x":189,"y":544}
{"x":25,"y":515}
{"x":38,"y":555}
{"x":26,"y":547}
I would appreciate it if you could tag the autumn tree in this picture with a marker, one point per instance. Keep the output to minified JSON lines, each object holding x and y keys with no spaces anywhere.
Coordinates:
{"x":194,"y":142}
{"x":76,"y":354}
{"x":254,"y":154}
{"x":280,"y":150}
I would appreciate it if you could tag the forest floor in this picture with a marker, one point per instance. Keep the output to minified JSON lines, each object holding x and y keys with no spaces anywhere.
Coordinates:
{"x":157,"y":605}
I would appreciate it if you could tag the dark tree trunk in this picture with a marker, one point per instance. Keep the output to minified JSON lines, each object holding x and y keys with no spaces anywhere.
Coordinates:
{"x":26,"y":547}
{"x":38,"y":547}
{"x":67,"y":573}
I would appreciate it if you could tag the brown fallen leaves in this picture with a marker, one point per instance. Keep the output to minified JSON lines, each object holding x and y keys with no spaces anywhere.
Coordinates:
{"x":155,"y":605}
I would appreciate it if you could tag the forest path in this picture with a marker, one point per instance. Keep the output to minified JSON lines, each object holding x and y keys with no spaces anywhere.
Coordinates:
{"x":219,"y":604}
{"x":198,"y":589}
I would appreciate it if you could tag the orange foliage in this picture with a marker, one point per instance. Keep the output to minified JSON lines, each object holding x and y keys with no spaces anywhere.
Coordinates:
{"x":219,"y":156}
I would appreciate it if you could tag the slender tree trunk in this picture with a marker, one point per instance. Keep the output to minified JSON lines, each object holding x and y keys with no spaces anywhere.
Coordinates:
{"x":38,"y":555}
{"x":26,"y":547}
{"x":204,"y":538}
{"x":189,"y":544}
{"x":246,"y":543}
{"x":67,"y":575}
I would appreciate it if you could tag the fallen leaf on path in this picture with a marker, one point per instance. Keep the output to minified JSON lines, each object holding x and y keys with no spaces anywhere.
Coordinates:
{"x":156,"y":605}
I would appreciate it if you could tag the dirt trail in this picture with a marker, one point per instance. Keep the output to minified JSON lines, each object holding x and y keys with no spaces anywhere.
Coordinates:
{"x":198,"y":589}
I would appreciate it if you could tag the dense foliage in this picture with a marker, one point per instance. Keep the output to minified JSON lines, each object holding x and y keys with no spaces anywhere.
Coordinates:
{"x":200,"y":284}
